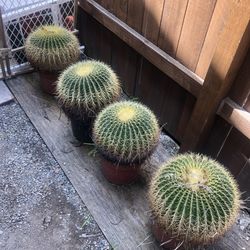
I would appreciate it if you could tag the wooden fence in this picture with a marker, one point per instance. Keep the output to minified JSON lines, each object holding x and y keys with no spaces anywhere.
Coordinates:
{"x":184,"y":64}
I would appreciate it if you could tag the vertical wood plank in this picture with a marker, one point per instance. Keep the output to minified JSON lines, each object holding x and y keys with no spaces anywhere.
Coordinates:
{"x":124,"y":62}
{"x":152,"y":94}
{"x":171,"y":25}
{"x":124,"y":59}
{"x":194,"y":30}
{"x":121,"y":9}
{"x":217,"y":137}
{"x":235,"y":152}
{"x":135,"y":14}
{"x":228,"y":57}
{"x":188,"y":105}
{"x":247,"y":104}
{"x":240,"y":90}
{"x":216,"y":26}
{"x":152,"y":19}
{"x":171,"y":111}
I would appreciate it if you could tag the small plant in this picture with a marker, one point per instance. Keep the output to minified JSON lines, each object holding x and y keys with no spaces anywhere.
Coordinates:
{"x":52,"y":48}
{"x":194,"y":199}
{"x":84,"y":89}
{"x":126,"y":132}
{"x":87,"y":87}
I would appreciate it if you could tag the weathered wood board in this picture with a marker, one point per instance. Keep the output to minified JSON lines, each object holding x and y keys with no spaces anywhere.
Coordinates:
{"x":121,"y":212}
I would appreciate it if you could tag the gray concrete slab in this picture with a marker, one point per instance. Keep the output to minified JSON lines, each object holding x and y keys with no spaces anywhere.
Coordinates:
{"x":5,"y":94}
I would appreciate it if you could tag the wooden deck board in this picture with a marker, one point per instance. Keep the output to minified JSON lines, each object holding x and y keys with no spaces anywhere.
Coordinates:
{"x":121,"y":212}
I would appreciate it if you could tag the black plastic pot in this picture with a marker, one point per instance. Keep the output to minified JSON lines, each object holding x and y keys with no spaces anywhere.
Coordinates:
{"x":82,"y":130}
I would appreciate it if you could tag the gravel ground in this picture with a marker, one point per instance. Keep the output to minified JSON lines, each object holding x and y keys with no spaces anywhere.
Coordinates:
{"x":39,"y":208}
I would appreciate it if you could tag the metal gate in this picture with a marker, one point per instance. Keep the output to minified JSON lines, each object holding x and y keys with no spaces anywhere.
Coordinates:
{"x":18,"y":18}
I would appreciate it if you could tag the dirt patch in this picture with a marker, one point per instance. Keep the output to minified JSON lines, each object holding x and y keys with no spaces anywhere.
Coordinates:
{"x":39,"y":209}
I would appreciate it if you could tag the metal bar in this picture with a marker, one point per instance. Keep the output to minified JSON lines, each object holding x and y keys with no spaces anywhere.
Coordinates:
{"x":75,"y":12}
{"x":2,"y":68}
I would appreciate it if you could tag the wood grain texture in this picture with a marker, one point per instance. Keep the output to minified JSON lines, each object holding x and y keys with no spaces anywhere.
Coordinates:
{"x":186,"y":78}
{"x":121,"y":212}
{"x":217,"y":137}
{"x":240,"y":90}
{"x":236,"y":116}
{"x":235,"y":153}
{"x":135,"y":14}
{"x":194,"y":30}
{"x":152,"y":19}
{"x":228,"y":57}
{"x":218,"y":20}
{"x":171,"y":25}
{"x":121,"y":9}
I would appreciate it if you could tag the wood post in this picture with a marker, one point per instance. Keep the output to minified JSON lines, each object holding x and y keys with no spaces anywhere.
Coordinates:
{"x":229,"y":54}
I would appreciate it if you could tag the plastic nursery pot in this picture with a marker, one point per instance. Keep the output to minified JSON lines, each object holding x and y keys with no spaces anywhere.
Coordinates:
{"x":165,"y":240}
{"x":82,"y":130}
{"x":119,"y":174}
{"x":48,"y":81}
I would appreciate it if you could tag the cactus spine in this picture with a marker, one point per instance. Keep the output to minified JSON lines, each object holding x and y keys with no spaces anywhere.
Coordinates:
{"x":194,"y":198}
{"x":52,"y":48}
{"x":87,"y":87}
{"x":126,"y":132}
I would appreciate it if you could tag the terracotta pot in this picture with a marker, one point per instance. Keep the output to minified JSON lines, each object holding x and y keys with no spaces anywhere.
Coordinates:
{"x":119,"y":174}
{"x":163,"y":237}
{"x":48,"y":81}
{"x":82,"y":130}
{"x":69,"y":23}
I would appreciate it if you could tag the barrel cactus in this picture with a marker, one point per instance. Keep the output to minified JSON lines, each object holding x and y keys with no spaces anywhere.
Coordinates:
{"x":52,"y":48}
{"x":87,"y":87}
{"x":194,"y":198}
{"x":126,"y":132}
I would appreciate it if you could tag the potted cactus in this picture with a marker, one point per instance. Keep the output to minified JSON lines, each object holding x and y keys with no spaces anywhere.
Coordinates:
{"x":125,"y":133}
{"x":51,"y":49}
{"x":83,"y":90}
{"x":194,"y":200}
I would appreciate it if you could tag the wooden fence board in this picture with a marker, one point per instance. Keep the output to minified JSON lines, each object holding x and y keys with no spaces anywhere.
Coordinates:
{"x":236,"y":116}
{"x":240,"y":91}
{"x":171,"y":25}
{"x":152,"y":19}
{"x":156,"y":56}
{"x":124,"y":62}
{"x":216,"y":26}
{"x":135,"y":14}
{"x":235,"y":152}
{"x":195,"y":26}
{"x":228,"y":57}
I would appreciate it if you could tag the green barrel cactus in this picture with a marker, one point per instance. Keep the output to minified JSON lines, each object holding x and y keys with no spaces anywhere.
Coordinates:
{"x":86,"y":87}
{"x":52,"y":48}
{"x":194,"y":198}
{"x":126,"y":132}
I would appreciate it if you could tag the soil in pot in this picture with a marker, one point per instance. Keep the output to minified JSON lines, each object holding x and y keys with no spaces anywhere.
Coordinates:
{"x":82,"y":130}
{"x":119,"y":174}
{"x":48,"y":81}
{"x":165,"y":240}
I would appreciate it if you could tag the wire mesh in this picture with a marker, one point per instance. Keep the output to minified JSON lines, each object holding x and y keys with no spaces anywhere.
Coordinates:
{"x":20,"y":17}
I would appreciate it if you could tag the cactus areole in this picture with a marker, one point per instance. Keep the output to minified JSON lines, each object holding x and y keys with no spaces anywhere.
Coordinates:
{"x":194,"y":199}
{"x":52,"y":48}
{"x":126,"y":132}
